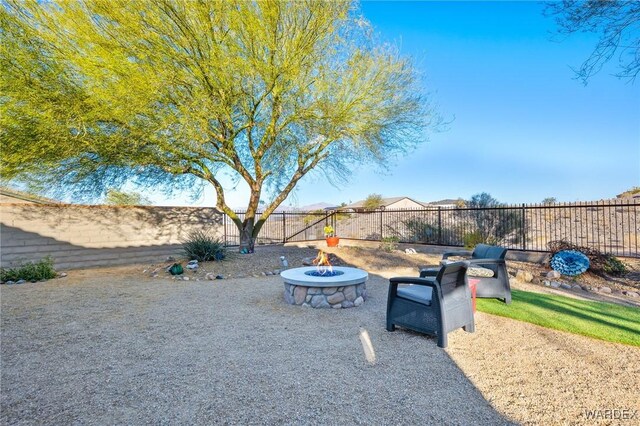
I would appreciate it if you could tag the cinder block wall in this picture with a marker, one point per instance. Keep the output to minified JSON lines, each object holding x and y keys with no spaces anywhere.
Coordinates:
{"x":88,"y":236}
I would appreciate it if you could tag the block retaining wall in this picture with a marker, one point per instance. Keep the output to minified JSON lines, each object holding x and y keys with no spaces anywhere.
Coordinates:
{"x":88,"y":236}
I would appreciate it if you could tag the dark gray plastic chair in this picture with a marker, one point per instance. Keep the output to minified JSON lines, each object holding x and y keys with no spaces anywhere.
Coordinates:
{"x":488,"y":257}
{"x":433,"y":305}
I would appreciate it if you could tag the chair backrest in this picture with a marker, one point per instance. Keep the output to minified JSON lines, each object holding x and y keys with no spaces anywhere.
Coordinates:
{"x":485,"y":251}
{"x":452,"y":278}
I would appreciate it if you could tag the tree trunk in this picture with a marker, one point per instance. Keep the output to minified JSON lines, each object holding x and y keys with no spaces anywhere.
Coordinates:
{"x":247,"y":240}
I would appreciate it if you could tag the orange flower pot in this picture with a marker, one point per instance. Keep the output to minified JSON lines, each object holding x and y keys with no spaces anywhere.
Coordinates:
{"x":333,"y":241}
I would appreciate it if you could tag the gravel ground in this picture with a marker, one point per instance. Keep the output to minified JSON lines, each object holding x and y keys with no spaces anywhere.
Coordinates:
{"x":116,"y":346}
{"x":111,"y":350}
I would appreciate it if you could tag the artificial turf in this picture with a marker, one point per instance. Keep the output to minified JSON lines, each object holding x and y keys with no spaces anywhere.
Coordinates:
{"x":604,"y":321}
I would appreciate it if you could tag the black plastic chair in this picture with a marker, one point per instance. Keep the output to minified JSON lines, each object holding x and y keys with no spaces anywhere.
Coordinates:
{"x":433,"y":305}
{"x":488,"y":257}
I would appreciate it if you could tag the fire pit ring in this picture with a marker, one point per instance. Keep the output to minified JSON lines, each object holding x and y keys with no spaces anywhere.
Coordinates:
{"x":344,"y":290}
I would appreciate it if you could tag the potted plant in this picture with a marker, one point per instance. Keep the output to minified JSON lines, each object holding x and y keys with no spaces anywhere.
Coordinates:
{"x":329,"y":234}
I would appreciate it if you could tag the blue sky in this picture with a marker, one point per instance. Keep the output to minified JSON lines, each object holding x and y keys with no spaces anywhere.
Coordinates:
{"x":523,"y":128}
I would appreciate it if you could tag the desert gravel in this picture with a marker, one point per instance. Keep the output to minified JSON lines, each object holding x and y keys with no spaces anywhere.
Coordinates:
{"x":145,"y":351}
{"x":115,"y":346}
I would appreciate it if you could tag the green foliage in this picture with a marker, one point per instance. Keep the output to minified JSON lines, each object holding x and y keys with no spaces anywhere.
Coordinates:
{"x":629,"y":193}
{"x":123,"y":198}
{"x":389,"y":244}
{"x":201,"y":246}
{"x":604,"y":321}
{"x":493,"y":224}
{"x":329,"y":231}
{"x":614,"y":266}
{"x":418,"y":230}
{"x":41,"y":270}
{"x":472,"y":239}
{"x":373,"y":201}
{"x":97,"y":93}
{"x":313,"y":216}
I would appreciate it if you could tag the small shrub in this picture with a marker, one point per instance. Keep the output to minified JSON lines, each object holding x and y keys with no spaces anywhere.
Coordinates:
{"x":613,"y":266}
{"x":472,"y":239}
{"x":420,"y":231}
{"x":41,"y":270}
{"x":202,"y":247}
{"x":389,"y":244}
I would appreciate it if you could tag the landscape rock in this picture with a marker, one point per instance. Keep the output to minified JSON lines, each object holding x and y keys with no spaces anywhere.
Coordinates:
{"x":359,"y":301}
{"x":554,"y":284}
{"x":20,"y":282}
{"x":185,"y":278}
{"x":605,"y":290}
{"x":318,"y":301}
{"x":524,"y":276}
{"x":269,"y":272}
{"x":576,"y":288}
{"x":631,"y":294}
{"x":350,"y":293}
{"x":565,"y":286}
{"x":299,"y":294}
{"x":335,"y":298}
{"x":210,"y":276}
{"x":219,"y":277}
{"x":9,"y":282}
{"x":62,"y":274}
{"x":552,"y":275}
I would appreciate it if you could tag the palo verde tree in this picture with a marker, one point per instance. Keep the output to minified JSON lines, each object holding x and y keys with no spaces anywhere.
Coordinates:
{"x":616,"y":22}
{"x":116,"y":197}
{"x":97,"y":93}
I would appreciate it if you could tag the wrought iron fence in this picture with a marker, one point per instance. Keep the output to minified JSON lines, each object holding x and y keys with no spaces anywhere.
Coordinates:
{"x":283,"y":227}
{"x":611,"y":227}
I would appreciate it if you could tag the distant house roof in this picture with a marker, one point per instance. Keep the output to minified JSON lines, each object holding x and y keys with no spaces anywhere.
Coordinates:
{"x":8,"y":195}
{"x":445,"y":202}
{"x":385,"y":203}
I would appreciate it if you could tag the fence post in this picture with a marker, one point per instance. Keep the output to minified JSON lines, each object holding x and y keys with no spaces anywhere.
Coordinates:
{"x":524,"y":228}
{"x":380,"y":225}
{"x":439,"y":225}
{"x":224,"y":226}
{"x":284,"y":228}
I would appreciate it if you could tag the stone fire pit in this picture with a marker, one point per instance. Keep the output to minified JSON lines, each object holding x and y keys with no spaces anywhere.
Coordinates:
{"x":346,"y":289}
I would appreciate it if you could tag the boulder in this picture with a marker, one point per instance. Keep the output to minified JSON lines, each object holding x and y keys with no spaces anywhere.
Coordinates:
{"x":553,"y":275}
{"x":524,"y":276}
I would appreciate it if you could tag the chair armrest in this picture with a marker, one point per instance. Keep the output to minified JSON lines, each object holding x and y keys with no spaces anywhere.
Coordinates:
{"x":428,"y":271}
{"x":457,"y":253}
{"x":494,"y":261}
{"x":429,"y":281}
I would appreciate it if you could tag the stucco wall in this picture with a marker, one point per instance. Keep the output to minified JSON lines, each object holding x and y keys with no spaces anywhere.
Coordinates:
{"x":85,"y":236}
{"x":405,"y":203}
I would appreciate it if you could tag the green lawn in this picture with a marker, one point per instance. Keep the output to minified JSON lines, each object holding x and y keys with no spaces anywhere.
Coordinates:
{"x":604,"y":321}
